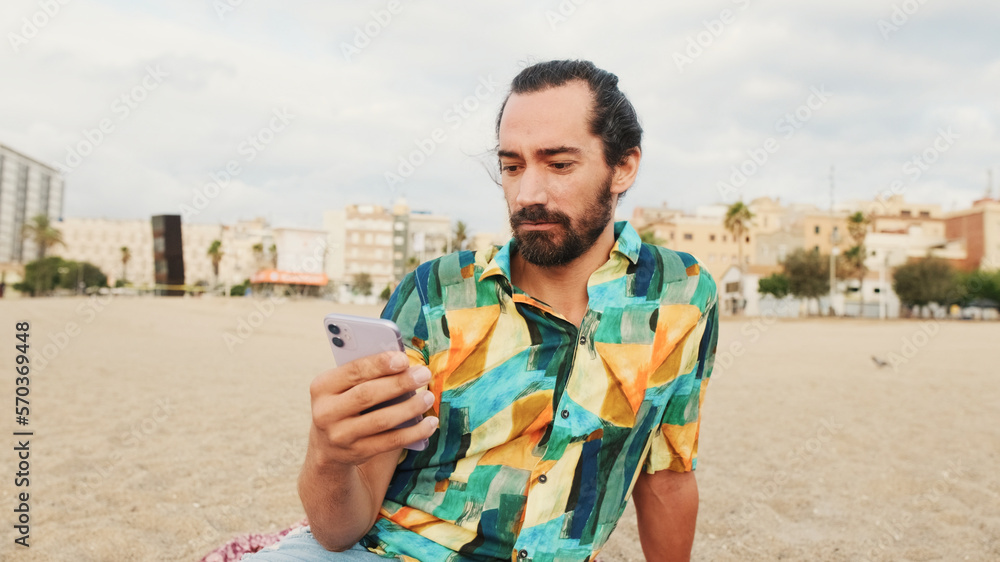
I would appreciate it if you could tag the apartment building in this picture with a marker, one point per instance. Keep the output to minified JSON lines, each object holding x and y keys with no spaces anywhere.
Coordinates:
{"x":28,"y":188}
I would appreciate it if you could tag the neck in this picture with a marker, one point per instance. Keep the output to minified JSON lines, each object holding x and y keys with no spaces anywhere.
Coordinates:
{"x":564,"y":287}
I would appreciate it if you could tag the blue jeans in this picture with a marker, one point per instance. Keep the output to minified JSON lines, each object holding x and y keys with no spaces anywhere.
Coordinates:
{"x":301,"y":546}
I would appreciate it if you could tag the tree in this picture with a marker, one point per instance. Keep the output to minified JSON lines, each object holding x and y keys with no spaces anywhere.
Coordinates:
{"x":44,"y":275}
{"x":649,"y":237}
{"x":979,"y":285}
{"x":40,"y":230}
{"x":362,"y":284}
{"x":737,"y":222}
{"x":273,"y":250}
{"x":921,"y":282}
{"x":215,"y":252}
{"x":854,"y":257}
{"x":775,"y":284}
{"x":461,"y":235}
{"x":386,"y":293}
{"x":808,"y":274}
{"x":126,"y":257}
{"x":258,"y":254}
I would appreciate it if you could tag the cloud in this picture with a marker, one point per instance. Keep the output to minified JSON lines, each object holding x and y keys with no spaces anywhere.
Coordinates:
{"x":357,"y":116}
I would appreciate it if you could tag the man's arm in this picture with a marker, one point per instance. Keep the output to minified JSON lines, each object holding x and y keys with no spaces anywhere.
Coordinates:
{"x":666,"y":505}
{"x":352,"y":455}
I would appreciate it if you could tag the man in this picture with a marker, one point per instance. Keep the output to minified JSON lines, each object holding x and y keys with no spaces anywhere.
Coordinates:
{"x":566,"y":368}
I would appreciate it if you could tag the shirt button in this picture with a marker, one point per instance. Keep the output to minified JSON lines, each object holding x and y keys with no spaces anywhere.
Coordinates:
{"x":543,"y":478}
{"x":522,"y":554}
{"x":583,"y":340}
{"x":565,"y":414}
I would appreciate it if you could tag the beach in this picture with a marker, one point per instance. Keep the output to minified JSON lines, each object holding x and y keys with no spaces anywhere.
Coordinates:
{"x":163,"y":427}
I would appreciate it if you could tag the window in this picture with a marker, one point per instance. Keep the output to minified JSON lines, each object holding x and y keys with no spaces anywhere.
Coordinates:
{"x":816,"y":229}
{"x":711,"y":238}
{"x":671,"y":235}
{"x":748,"y":239}
{"x":925,"y":214}
{"x":906,"y":213}
{"x":725,"y":238}
{"x":688,"y":236}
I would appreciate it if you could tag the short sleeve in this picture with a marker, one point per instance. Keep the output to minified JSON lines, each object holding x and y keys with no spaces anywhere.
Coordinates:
{"x":405,"y":308}
{"x":674,"y":443}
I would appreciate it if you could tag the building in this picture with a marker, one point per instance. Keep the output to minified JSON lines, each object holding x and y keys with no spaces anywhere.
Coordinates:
{"x":979,"y":229}
{"x":702,"y":235}
{"x":100,"y":242}
{"x":385,"y":244}
{"x":28,"y":188}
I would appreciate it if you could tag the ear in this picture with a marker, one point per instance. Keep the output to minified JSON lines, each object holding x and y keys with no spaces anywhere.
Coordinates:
{"x":625,"y":172}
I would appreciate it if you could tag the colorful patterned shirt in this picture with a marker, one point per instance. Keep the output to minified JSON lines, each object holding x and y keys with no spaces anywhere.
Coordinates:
{"x":544,"y":426}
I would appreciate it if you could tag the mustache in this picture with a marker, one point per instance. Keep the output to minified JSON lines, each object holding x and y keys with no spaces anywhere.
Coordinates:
{"x":538,"y":213}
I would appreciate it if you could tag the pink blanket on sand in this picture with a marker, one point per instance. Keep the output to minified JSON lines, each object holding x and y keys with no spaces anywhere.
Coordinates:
{"x":233,"y":550}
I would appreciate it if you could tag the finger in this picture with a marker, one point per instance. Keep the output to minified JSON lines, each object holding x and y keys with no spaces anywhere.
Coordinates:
{"x":398,"y":438}
{"x":329,"y":409}
{"x":387,"y":418}
{"x":343,"y":377}
{"x":374,"y":392}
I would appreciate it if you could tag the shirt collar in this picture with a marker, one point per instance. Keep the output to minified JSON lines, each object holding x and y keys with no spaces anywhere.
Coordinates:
{"x":627,"y":244}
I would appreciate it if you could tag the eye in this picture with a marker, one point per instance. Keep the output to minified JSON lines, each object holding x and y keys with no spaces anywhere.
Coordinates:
{"x":562,"y":165}
{"x":509,"y":169}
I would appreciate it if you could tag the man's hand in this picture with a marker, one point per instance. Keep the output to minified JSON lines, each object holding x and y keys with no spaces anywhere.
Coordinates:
{"x":666,"y":505}
{"x":344,"y":433}
{"x":353,"y":453}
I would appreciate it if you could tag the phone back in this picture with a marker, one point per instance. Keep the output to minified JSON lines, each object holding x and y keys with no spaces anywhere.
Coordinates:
{"x":354,"y":337}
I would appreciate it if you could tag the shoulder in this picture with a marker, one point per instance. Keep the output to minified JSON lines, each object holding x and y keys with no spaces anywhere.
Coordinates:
{"x":677,"y":267}
{"x":430,"y":281}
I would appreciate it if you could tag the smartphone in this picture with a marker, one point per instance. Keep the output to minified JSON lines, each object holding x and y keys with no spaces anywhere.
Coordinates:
{"x":354,"y":337}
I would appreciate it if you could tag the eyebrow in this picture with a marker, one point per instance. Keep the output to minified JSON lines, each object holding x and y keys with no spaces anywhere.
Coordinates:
{"x":543,"y":152}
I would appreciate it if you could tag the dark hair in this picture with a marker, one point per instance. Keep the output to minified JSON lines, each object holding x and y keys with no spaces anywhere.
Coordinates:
{"x":613,"y":118}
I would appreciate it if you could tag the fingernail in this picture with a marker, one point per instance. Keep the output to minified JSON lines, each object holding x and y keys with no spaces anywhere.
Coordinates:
{"x":432,"y":421}
{"x":429,"y":398}
{"x":399,"y":362}
{"x":422,"y":375}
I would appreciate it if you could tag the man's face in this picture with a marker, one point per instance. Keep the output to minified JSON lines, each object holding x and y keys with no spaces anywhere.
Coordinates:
{"x":560,"y":192}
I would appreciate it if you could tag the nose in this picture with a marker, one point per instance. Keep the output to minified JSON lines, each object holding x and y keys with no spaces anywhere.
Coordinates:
{"x":531,"y":188}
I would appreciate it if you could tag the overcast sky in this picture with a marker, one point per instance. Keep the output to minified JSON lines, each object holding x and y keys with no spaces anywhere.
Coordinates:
{"x":335,"y":95}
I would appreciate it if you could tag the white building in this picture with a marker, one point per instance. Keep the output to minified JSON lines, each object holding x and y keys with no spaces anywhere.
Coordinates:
{"x":27,"y":188}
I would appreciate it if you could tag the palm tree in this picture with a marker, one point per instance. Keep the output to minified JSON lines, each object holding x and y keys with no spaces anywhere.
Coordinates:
{"x":40,"y":229}
{"x":126,"y":256}
{"x":215,"y":252}
{"x":258,"y":254}
{"x":857,"y":227}
{"x":737,"y":222}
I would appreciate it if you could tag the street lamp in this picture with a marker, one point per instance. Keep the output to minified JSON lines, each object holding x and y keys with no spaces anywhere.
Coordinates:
{"x":834,"y":251}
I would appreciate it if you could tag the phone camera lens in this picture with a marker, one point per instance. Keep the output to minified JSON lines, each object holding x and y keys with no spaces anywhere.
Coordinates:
{"x":338,"y":342}
{"x":334,"y":329}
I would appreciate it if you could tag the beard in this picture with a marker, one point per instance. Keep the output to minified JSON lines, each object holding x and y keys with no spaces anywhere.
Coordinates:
{"x":550,"y":248}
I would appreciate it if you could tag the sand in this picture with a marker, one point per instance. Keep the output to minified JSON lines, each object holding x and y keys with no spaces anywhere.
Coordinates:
{"x":157,"y":437}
